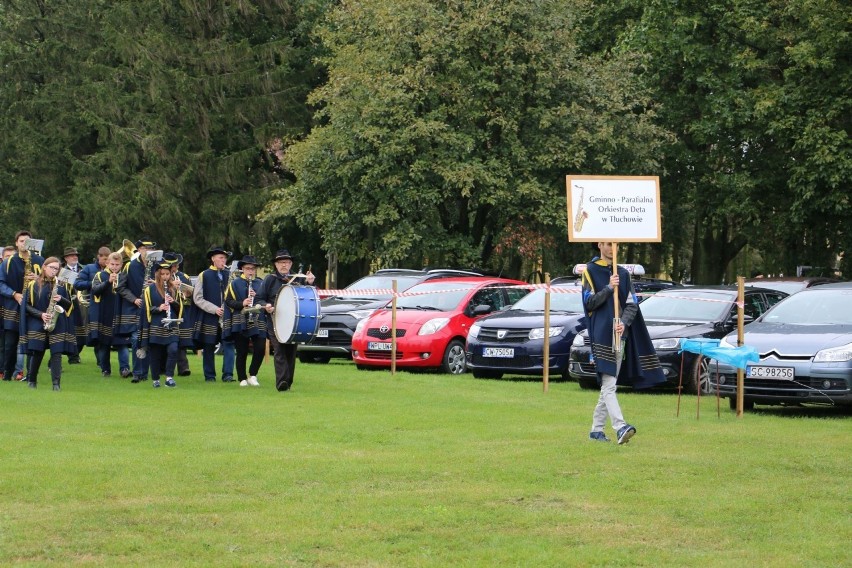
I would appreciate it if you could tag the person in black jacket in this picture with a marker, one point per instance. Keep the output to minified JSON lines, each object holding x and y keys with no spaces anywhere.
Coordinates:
{"x":284,"y":354}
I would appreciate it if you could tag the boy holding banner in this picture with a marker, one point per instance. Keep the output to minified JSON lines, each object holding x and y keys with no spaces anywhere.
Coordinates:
{"x":621,"y":347}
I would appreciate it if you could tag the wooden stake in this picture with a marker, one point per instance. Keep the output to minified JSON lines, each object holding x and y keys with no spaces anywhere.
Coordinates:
{"x":393,"y":330}
{"x":740,"y":341}
{"x":546,"y":361}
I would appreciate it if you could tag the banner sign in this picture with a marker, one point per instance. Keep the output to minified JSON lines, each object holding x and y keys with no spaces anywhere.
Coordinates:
{"x":614,"y":209}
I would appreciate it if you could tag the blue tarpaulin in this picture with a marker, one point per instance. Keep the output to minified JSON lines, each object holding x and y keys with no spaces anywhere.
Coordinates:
{"x":737,"y":356}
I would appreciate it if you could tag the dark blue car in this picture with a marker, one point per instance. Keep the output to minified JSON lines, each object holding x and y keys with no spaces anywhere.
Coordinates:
{"x":512,"y":341}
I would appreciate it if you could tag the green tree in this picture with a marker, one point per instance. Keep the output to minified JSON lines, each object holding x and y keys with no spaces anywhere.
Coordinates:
{"x":152,"y":117}
{"x":446,"y":126}
{"x":757,"y":94}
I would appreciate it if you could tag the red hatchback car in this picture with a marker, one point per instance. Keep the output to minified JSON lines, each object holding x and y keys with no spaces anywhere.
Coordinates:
{"x":432,"y":322}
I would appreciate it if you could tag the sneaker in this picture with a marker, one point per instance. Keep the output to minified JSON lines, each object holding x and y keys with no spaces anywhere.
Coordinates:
{"x":105,"y":373}
{"x":253,"y":381}
{"x":56,"y":387}
{"x":598,"y":437}
{"x":170,"y":382}
{"x":243,"y":383}
{"x":20,"y":376}
{"x":227,"y":379}
{"x":627,"y":431}
{"x":31,"y":384}
{"x":3,"y":377}
{"x":125,"y":373}
{"x":156,"y":384}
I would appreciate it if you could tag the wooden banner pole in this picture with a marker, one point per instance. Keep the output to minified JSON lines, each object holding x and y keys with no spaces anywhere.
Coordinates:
{"x":616,"y":337}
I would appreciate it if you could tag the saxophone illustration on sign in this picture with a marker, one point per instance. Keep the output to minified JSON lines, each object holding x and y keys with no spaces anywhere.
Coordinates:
{"x":581,"y":216}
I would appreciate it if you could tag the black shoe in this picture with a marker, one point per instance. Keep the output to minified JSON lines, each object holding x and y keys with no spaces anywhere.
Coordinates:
{"x":74,"y":361}
{"x":125,"y":373}
{"x":136,"y":379}
{"x":105,"y":373}
{"x":56,"y":387}
{"x":31,"y":384}
{"x":184,"y":373}
{"x":227,"y":379}
{"x":209,"y":380}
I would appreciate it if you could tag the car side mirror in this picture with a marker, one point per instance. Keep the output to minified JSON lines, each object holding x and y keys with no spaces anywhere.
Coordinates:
{"x":731,"y":323}
{"x":481,"y":310}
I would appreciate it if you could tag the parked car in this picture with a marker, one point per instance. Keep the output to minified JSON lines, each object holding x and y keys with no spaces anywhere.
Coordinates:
{"x":432,"y":324}
{"x":511,"y":341}
{"x":805,"y":348}
{"x":644,"y":287}
{"x":682,"y":313}
{"x":340,"y":314}
{"x":789,"y":284}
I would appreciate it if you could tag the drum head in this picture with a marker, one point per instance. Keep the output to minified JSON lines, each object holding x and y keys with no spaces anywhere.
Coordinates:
{"x":285,"y":314}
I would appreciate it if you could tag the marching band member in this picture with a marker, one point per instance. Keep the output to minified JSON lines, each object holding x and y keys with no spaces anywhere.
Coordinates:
{"x":72,"y":263}
{"x":104,"y":314}
{"x":284,"y":354}
{"x":209,"y":299}
{"x":175,"y":261}
{"x":244,"y":328}
{"x":16,"y":271}
{"x":40,"y":297}
{"x":159,"y":335}
{"x":131,"y":282}
{"x":83,"y":286}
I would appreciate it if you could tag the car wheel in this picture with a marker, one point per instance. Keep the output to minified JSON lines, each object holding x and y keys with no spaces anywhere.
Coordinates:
{"x":589,"y":384}
{"x":477,"y":374}
{"x":699,"y":377}
{"x":313,"y":358}
{"x":454,"y":361}
{"x":747,"y":404}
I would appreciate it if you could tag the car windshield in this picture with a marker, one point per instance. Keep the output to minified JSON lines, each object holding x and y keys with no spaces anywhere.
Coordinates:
{"x":568,"y":301}
{"x":370,"y":284}
{"x":444,"y":296}
{"x":786,"y":286}
{"x":813,"y":307}
{"x":686,"y":305}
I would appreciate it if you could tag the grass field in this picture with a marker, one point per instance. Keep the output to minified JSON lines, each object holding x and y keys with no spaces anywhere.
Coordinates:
{"x":357,"y":468}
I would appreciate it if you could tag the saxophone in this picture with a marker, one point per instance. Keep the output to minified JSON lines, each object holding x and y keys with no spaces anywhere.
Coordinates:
{"x":581,"y":215}
{"x":52,"y":307}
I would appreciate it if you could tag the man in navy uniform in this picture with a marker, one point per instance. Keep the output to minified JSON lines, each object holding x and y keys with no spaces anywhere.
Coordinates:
{"x":209,"y":299}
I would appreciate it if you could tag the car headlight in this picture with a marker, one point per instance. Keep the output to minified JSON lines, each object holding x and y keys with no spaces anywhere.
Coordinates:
{"x":668,"y":343}
{"x":834,"y":354}
{"x":360,"y":314}
{"x":360,"y":325}
{"x":579,"y":340}
{"x":474,"y":331}
{"x":433,"y":325}
{"x":538,"y":332}
{"x":724,"y":343}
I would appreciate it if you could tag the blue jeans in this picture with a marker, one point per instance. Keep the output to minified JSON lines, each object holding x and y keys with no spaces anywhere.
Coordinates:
{"x":208,"y":360}
{"x":103,"y":354}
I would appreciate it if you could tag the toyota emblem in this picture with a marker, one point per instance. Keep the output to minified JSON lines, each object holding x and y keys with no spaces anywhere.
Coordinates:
{"x":384,"y":329}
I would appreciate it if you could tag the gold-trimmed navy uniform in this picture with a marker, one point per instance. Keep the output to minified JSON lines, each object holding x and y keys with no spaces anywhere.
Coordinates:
{"x":639,"y":366}
{"x":35,"y":337}
{"x":235,"y":322}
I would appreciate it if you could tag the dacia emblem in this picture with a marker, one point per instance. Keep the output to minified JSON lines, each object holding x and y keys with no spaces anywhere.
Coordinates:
{"x":501,"y":333}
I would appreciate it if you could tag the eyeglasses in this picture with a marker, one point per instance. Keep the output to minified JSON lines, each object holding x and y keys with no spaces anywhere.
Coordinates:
{"x":52,"y":266}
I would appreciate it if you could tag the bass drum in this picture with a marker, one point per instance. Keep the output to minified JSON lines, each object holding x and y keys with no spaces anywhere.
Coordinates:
{"x":297,"y":314}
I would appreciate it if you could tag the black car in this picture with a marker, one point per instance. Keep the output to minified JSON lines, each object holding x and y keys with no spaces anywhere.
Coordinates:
{"x":511,"y":341}
{"x":340,"y":314}
{"x":682,"y":313}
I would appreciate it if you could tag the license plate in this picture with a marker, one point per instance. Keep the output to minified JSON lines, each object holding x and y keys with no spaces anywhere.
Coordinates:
{"x":379,"y":346}
{"x":322,"y":332}
{"x":498,"y":352}
{"x":759,"y":372}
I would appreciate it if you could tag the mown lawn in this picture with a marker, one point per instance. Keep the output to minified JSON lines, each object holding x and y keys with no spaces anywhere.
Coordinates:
{"x":358,"y":468}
